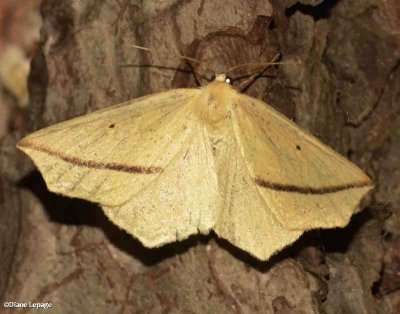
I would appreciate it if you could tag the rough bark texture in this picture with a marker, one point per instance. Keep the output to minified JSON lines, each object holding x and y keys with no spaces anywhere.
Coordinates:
{"x":345,"y":90}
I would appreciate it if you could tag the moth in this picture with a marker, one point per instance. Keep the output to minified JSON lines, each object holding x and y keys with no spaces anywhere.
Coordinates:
{"x":187,"y":161}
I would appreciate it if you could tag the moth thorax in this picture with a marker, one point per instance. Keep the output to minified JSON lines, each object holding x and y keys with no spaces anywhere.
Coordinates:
{"x":216,"y":108}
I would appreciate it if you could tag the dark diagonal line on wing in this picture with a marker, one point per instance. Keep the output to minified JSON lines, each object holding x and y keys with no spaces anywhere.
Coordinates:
{"x":94,"y":164}
{"x":309,"y":190}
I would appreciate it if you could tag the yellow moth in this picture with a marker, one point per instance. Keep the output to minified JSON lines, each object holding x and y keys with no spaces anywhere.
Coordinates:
{"x":184,"y":161}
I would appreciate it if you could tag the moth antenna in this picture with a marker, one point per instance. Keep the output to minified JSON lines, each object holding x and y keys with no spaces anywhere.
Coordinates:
{"x":139,"y":47}
{"x":264,"y":65}
{"x":244,"y":85}
{"x":186,"y":58}
{"x":255,"y":64}
{"x":194,"y":73}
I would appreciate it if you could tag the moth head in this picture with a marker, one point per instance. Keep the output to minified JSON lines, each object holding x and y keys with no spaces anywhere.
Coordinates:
{"x":222,"y":78}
